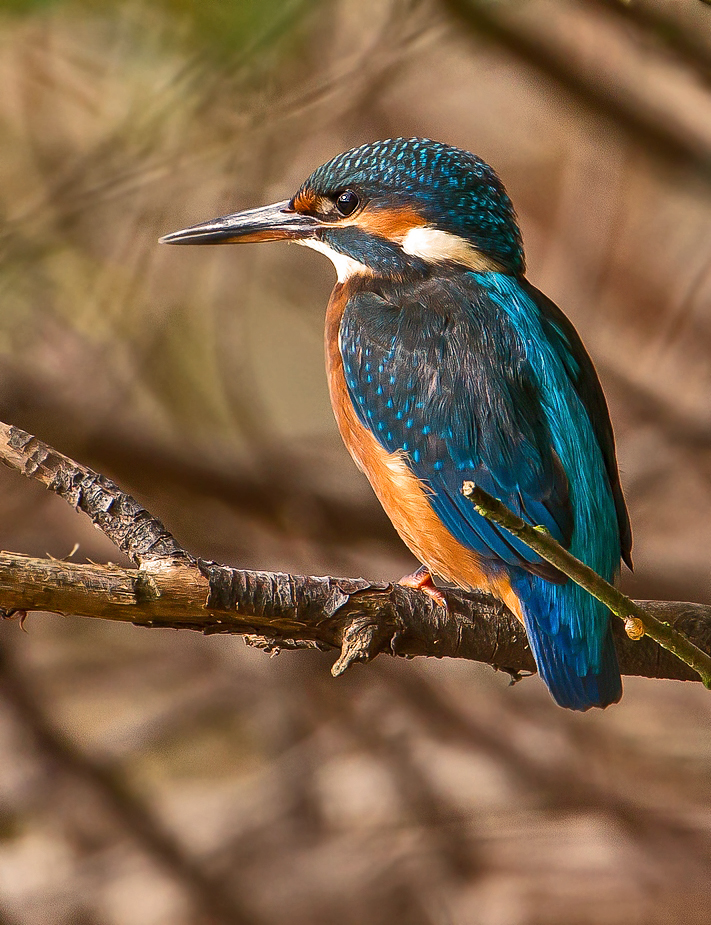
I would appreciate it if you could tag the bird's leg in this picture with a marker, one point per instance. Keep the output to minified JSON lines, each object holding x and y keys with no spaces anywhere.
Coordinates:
{"x":421,"y":580}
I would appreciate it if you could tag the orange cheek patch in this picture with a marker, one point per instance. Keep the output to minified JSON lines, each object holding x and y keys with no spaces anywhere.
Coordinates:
{"x":388,"y":223}
{"x":392,"y":224}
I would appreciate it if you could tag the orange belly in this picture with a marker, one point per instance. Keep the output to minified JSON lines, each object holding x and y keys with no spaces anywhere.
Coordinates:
{"x":401,"y":493}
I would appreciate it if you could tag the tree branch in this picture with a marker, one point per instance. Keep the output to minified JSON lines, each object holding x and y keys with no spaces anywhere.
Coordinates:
{"x":171,"y":588}
{"x":637,"y":620}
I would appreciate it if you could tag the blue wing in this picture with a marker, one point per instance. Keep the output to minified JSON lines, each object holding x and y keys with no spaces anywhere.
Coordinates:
{"x":438,"y":370}
{"x":568,"y":346}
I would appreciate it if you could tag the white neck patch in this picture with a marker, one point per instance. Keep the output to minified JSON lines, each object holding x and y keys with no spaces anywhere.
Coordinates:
{"x":345,"y":266}
{"x":435,"y":246}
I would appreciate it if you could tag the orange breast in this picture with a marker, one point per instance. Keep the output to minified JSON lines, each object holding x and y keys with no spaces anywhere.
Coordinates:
{"x":401,"y":493}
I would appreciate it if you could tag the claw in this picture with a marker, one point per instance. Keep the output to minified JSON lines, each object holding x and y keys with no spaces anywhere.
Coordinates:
{"x":421,"y":580}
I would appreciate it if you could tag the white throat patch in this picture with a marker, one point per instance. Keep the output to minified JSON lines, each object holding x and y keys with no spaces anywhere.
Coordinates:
{"x":435,"y":246}
{"x":345,"y":266}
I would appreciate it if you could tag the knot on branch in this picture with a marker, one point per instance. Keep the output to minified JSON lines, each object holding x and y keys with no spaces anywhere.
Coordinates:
{"x":361,"y":642}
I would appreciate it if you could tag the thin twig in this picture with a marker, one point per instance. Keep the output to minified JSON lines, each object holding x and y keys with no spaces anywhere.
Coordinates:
{"x":637,"y":620}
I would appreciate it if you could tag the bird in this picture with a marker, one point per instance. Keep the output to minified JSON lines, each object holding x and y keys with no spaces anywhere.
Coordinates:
{"x":446,"y":364}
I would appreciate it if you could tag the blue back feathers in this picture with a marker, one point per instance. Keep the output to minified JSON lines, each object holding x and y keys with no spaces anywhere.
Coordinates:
{"x":451,"y":188}
{"x":445,"y":379}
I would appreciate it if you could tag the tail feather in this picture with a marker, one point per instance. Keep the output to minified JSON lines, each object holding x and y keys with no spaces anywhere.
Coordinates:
{"x":580,"y":671}
{"x":596,"y":688}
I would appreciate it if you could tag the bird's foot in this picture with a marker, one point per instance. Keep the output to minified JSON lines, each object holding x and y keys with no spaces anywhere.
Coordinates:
{"x":421,"y":580}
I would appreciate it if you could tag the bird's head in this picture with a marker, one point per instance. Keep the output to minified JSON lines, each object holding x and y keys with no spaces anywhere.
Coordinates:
{"x":391,"y":208}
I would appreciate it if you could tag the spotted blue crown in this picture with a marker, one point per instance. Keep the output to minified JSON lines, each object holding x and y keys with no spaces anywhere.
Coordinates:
{"x":452,"y":189}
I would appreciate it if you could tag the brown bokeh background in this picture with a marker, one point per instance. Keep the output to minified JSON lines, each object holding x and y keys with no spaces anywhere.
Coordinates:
{"x":150,"y":777}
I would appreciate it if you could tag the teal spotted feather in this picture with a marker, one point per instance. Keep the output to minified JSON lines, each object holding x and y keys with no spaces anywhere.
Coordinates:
{"x":472,"y":376}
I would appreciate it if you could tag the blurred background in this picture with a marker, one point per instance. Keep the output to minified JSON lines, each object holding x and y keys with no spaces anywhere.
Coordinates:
{"x":152,"y":777}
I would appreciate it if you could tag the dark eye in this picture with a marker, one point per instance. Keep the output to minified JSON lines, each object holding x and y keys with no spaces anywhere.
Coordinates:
{"x":347,"y":202}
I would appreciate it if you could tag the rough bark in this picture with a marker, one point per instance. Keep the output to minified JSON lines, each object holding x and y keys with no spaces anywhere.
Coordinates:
{"x":171,"y":588}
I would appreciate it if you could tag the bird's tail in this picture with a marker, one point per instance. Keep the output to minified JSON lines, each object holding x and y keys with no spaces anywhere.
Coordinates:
{"x":571,"y":639}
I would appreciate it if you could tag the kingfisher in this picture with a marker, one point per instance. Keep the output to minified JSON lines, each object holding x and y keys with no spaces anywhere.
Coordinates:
{"x":445,"y":364}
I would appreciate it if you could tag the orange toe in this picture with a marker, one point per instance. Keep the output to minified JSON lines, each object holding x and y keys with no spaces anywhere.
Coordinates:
{"x":421,"y":580}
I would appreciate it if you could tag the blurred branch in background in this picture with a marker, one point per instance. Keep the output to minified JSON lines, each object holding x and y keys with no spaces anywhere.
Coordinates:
{"x":680,"y":30}
{"x":560,"y":47}
{"x":205,"y":892}
{"x":420,"y":793}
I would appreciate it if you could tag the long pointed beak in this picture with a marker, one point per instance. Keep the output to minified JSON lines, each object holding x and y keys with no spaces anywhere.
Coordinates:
{"x":268,"y":223}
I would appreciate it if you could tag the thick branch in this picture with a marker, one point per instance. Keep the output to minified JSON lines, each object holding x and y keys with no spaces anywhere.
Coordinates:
{"x":362,"y":619}
{"x":292,"y":611}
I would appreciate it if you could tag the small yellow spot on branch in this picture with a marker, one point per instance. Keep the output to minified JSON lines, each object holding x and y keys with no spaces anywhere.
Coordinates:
{"x":634,"y":628}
